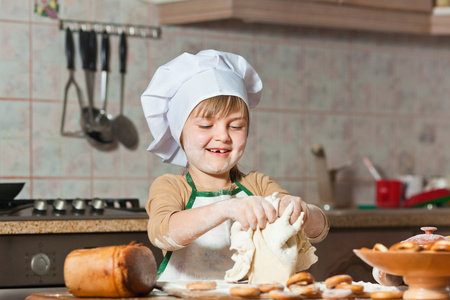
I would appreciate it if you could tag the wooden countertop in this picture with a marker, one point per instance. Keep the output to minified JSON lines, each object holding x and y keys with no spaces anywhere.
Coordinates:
{"x":73,"y":226}
{"x":376,"y":218}
{"x":339,"y":218}
{"x":68,"y":296}
{"x":177,"y":290}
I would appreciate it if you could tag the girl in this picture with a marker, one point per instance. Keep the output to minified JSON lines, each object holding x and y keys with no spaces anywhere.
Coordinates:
{"x":197,"y":108}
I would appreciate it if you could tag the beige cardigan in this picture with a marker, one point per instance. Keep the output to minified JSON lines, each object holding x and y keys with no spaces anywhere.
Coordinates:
{"x":170,"y":194}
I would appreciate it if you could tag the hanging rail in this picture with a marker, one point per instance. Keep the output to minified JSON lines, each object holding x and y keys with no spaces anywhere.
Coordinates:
{"x":112,"y":28}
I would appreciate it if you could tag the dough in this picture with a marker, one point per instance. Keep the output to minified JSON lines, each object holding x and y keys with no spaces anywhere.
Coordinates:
{"x":241,"y":241}
{"x":272,"y":254}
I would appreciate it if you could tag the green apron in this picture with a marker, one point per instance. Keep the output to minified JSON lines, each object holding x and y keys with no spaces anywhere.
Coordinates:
{"x":209,"y":256}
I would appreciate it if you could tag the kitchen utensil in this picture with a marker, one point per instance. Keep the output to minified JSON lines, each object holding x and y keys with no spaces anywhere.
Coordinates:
{"x":371,"y":168}
{"x":104,"y":121}
{"x":423,"y":240}
{"x":92,"y":63}
{"x":95,"y":133}
{"x":326,"y":177}
{"x":125,"y":130}
{"x":427,"y":274}
{"x":437,"y":182}
{"x":412,"y":185}
{"x":87,"y":113}
{"x":426,"y":238}
{"x":389,"y":193}
{"x":70,"y":54}
{"x":430,"y":197}
{"x":8,"y":191}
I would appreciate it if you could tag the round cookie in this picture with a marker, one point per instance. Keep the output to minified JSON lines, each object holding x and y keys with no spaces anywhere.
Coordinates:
{"x":442,"y":245}
{"x":386,"y":295}
{"x":301,"y":278}
{"x":310,"y":291}
{"x":335,"y":294}
{"x":245,"y":291}
{"x":267,"y":287}
{"x":355,"y":288}
{"x":201,"y":286}
{"x":380,"y":247}
{"x":337,"y":279}
{"x":284,"y":295}
{"x":405,"y":247}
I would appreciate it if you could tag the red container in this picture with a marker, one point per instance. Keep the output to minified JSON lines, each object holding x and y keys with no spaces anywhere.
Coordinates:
{"x":389,"y":193}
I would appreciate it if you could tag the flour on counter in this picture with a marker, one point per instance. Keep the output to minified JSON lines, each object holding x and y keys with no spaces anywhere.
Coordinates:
{"x":223,"y":287}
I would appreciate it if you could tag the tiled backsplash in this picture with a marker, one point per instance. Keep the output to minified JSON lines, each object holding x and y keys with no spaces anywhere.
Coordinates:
{"x":379,"y":95}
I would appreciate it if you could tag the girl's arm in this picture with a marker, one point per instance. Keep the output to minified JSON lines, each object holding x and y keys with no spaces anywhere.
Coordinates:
{"x":187,"y":225}
{"x":316,"y":228}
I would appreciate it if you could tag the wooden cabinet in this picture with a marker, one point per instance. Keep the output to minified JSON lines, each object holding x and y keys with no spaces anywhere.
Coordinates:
{"x":405,"y":5}
{"x":402,"y":16}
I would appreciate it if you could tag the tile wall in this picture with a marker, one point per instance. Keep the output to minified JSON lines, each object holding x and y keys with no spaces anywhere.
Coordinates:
{"x":379,"y":95}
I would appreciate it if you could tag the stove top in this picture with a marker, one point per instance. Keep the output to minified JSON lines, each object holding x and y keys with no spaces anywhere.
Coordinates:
{"x":71,"y":209}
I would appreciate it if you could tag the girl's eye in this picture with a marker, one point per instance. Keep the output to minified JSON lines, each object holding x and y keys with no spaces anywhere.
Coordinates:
{"x":237,"y":125}
{"x":205,"y":126}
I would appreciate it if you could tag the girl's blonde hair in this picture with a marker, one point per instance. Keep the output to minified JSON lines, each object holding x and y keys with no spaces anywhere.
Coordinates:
{"x":222,"y":106}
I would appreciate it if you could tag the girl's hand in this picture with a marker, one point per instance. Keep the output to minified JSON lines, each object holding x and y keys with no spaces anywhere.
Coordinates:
{"x":251,"y":212}
{"x":299,"y":206}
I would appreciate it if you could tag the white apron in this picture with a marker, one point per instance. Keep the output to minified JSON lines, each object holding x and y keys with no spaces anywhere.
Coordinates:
{"x":209,"y":256}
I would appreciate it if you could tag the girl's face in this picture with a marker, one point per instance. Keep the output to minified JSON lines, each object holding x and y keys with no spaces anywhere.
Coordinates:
{"x":214,"y":145}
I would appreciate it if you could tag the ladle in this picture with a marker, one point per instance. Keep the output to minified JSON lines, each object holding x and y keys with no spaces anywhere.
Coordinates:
{"x":96,"y":134}
{"x":125,"y":130}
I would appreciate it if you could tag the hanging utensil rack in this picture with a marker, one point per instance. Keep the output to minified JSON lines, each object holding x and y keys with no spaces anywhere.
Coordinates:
{"x":112,"y":28}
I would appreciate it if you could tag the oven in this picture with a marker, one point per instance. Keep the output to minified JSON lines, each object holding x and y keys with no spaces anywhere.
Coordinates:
{"x":31,"y":263}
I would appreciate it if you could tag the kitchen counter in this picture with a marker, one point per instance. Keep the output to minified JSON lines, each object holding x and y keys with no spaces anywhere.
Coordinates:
{"x":68,"y":296}
{"x":177,"y":290}
{"x":72,"y":226}
{"x":377,"y":218}
{"x":339,"y":218}
{"x":153,"y":296}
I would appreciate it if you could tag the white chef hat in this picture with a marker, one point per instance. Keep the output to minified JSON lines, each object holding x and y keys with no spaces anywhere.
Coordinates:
{"x":178,"y":86}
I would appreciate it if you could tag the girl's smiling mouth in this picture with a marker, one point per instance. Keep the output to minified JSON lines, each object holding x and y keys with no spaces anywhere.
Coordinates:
{"x":218,"y":150}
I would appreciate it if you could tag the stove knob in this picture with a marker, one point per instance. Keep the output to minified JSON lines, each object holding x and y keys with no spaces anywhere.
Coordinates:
{"x":60,"y":204}
{"x":79,"y":204}
{"x":98,"y":204}
{"x":40,"y":205}
{"x":40,"y":264}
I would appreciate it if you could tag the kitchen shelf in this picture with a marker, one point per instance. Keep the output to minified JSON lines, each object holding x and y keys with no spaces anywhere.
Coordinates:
{"x":402,"y":16}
